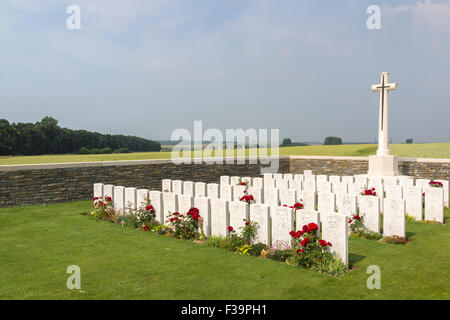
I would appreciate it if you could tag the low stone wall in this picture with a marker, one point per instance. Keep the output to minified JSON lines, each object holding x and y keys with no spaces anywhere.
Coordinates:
{"x":52,"y":183}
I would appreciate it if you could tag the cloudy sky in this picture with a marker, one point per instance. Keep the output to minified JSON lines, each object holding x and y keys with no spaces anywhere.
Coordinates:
{"x":148,"y":67}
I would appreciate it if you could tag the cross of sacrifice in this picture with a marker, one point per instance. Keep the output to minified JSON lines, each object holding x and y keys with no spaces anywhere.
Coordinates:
{"x":383,"y":131}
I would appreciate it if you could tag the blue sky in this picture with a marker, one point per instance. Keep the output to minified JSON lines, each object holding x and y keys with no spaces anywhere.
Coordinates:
{"x":146,"y":68}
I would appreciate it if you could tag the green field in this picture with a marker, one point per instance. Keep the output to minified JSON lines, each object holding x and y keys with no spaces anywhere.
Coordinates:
{"x":429,"y":150}
{"x":38,"y":243}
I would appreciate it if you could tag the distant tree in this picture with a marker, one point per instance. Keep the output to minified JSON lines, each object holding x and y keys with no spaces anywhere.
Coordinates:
{"x":47,"y":137}
{"x":286,"y":142}
{"x":409,"y":141}
{"x":332,"y":141}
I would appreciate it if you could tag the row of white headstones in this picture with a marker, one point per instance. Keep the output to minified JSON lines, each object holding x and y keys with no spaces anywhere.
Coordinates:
{"x":337,"y":200}
{"x":273,"y":222}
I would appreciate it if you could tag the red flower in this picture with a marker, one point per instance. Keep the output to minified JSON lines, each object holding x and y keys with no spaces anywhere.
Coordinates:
{"x":350,"y":221}
{"x":329,"y":244}
{"x":148,"y":208}
{"x":230,"y":228}
{"x":356,"y":217}
{"x":323,"y":243}
{"x":247,"y":223}
{"x":305,"y":228}
{"x":304,"y":242}
{"x":94,"y":199}
{"x":292,"y":233}
{"x":312,"y":226}
{"x":109,"y":199}
{"x":146,"y":228}
{"x":299,"y":251}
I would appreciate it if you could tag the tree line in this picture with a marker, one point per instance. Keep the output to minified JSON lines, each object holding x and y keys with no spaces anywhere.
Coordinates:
{"x":47,"y":137}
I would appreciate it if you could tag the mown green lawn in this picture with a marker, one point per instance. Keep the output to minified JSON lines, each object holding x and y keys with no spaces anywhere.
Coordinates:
{"x":428,"y":150}
{"x":38,"y":243}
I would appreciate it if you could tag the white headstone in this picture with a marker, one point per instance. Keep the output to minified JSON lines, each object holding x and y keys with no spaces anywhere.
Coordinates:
{"x":200,"y":189}
{"x":142,"y":195}
{"x":406,"y":182}
{"x":309,"y":199}
{"x":224,"y":180}
{"x":185,"y":202}
{"x":445,"y":184}
{"x":239,"y":211}
{"x":119,"y":199}
{"x":259,"y":213}
{"x":282,"y":224}
{"x":177,"y":186}
{"x":369,"y":209}
{"x":220,"y":218}
{"x":288,"y":197}
{"x":269,"y":183}
{"x":355,"y":189}
{"x":434,"y":204}
{"x":257,"y":194}
{"x":393,"y":191}
{"x":324,"y":187}
{"x":423,"y":183}
{"x":156,"y":199}
{"x":108,"y":190}
{"x":278,"y":176}
{"x":361,"y":180}
{"x":234,"y":181}
{"x":311,"y":177}
{"x":288,"y":176}
{"x":271,"y":197}
{"x":213,"y":190}
{"x":394,"y":218}
{"x":296,"y":184}
{"x":170,"y":204}
{"x":340,"y":187}
{"x":188,"y":188}
{"x":375,"y":181}
{"x":203,"y":205}
{"x":238,"y":192}
{"x":347,"y":205}
{"x":307,"y":172}
{"x":282,"y":184}
{"x":348,"y":179}
{"x":226,"y":192}
{"x":248,"y":180}
{"x":321,"y":178}
{"x":98,"y":190}
{"x":167,"y":185}
{"x":258,"y":183}
{"x":309,"y":186}
{"x":413,"y":202}
{"x":299,"y":177}
{"x":335,"y":230}
{"x":305,"y":216}
{"x":130,"y":200}
{"x":334,"y":179}
{"x":326,"y":203}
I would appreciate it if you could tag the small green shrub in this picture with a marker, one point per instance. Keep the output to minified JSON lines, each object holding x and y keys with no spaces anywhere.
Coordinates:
{"x":122,"y":150}
{"x":213,"y":241}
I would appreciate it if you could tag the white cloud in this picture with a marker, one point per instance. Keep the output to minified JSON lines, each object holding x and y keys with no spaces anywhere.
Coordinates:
{"x":431,"y":15}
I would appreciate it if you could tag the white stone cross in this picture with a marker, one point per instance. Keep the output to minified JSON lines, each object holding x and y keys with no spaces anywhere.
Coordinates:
{"x":383,"y":130}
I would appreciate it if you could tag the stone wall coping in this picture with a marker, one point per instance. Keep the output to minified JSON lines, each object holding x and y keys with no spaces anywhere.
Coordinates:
{"x":44,"y":166}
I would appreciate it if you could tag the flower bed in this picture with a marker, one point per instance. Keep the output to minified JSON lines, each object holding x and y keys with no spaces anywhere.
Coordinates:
{"x":306,"y":248}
